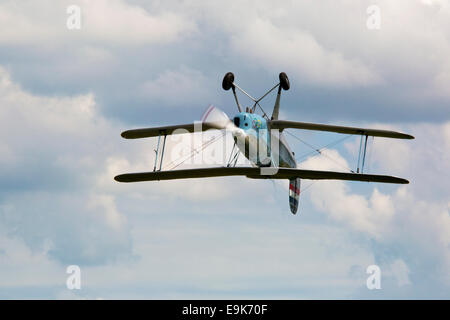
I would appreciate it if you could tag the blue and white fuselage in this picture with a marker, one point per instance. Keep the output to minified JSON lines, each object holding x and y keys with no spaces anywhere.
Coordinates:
{"x":264,"y":147}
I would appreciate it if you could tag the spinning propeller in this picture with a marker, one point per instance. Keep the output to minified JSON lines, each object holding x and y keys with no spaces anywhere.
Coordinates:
{"x":220,"y":120}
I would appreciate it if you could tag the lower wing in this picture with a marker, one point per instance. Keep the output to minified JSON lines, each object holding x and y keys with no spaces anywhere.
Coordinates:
{"x":255,"y":173}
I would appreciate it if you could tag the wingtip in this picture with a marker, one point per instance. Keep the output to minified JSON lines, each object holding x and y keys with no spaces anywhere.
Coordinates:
{"x":404,"y":181}
{"x":119,"y":178}
{"x":402,"y":135}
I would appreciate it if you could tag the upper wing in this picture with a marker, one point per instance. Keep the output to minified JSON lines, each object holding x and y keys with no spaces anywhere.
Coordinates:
{"x":283,"y":124}
{"x":168,"y":130}
{"x":252,"y":172}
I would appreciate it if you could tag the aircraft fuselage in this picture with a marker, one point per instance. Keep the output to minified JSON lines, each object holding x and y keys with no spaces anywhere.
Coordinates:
{"x":263,"y":147}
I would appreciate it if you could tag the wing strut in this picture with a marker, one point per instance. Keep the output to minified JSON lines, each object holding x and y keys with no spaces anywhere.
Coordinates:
{"x":234,"y":156}
{"x":157,"y":153}
{"x":362,"y":152}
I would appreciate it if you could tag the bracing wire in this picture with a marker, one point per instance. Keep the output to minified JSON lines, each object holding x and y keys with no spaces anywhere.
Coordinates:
{"x":320,"y":150}
{"x":302,"y":191}
{"x":264,"y":113}
{"x":304,"y":142}
{"x":371,"y":150}
{"x":194,"y":151}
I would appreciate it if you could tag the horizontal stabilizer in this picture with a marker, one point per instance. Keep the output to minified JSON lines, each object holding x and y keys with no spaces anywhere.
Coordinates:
{"x":252,"y":172}
{"x":284,"y":124}
{"x":168,"y":130}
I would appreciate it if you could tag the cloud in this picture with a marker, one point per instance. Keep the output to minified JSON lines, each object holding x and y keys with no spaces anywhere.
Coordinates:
{"x":54,"y":146}
{"x":300,"y":52}
{"x":113,"y":22}
{"x":202,"y":238}
{"x":337,"y":50}
{"x":81,"y":221}
{"x":178,"y":88}
{"x":400,"y":70}
{"x":404,"y":218}
{"x":334,"y":197}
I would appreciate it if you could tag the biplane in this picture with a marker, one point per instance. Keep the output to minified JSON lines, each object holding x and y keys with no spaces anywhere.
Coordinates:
{"x":273,"y":158}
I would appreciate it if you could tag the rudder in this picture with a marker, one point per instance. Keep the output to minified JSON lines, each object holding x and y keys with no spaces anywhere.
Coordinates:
{"x":294,"y":194}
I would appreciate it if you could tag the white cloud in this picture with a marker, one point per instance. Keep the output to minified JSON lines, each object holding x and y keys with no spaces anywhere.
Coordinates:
{"x":89,"y":226}
{"x":411,"y":50}
{"x":125,"y":23}
{"x":113,"y":22}
{"x":59,"y":153}
{"x":54,"y":145}
{"x":20,"y":266}
{"x":401,"y":272}
{"x":105,"y":204}
{"x":178,"y":88}
{"x":299,"y":52}
{"x":328,"y":43}
{"x":371,"y":215}
{"x":413,"y":216}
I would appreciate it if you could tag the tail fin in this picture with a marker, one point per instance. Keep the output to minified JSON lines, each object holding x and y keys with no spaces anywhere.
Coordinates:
{"x":294,"y":194}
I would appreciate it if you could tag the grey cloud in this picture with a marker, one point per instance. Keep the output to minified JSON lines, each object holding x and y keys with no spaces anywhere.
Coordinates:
{"x":409,"y":63}
{"x":55,"y":146}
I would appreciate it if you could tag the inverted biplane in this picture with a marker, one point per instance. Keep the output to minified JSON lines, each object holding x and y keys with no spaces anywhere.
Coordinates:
{"x":273,"y":158}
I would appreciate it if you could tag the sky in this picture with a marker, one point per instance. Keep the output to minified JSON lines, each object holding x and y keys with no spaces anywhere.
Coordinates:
{"x":66,"y":94}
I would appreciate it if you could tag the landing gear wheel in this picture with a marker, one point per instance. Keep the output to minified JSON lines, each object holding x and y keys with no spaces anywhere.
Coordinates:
{"x":284,"y":81}
{"x":227,"y":82}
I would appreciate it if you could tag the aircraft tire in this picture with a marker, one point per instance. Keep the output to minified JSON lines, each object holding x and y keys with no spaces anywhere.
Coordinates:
{"x":284,"y":81}
{"x":227,"y":82}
